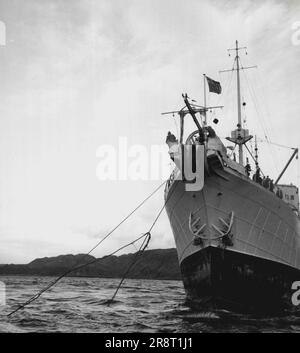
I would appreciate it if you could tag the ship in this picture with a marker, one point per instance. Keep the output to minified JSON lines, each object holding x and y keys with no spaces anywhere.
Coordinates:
{"x":237,"y":234}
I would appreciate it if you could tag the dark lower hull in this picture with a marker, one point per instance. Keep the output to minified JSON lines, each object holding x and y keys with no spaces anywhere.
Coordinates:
{"x":216,"y":278}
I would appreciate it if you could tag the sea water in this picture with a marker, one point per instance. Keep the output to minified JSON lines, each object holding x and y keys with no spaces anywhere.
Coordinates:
{"x":151,"y":306}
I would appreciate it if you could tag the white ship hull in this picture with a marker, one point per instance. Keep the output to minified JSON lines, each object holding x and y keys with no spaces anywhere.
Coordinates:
{"x":263,"y":255}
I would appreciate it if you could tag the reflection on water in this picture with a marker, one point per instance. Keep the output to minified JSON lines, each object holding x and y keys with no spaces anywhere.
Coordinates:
{"x":80,"y":305}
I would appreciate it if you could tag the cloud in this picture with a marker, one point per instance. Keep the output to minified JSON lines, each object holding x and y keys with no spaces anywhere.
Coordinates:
{"x":76,"y":75}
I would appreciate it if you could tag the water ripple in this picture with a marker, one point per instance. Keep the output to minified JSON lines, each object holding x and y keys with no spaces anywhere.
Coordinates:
{"x":80,"y":305}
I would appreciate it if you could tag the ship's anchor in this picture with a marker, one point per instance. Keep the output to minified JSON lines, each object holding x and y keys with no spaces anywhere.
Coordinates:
{"x":225,"y":232}
{"x":196,"y":230}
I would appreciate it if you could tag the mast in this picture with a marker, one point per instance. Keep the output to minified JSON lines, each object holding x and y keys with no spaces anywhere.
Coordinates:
{"x":239,"y":136}
{"x":204,"y":87}
{"x":237,"y":58}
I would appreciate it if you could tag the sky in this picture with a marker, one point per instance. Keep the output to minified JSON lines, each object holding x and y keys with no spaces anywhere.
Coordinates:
{"x":79,"y":75}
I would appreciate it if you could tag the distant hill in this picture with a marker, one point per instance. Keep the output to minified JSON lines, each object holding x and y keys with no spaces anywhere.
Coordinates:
{"x":153,"y":264}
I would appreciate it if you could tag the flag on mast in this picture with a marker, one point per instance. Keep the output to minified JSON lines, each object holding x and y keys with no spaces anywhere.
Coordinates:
{"x":214,"y":86}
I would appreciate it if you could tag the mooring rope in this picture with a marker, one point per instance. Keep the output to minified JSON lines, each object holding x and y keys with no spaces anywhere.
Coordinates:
{"x":77,"y":267}
{"x":51,"y":284}
{"x":142,"y":247}
{"x":125,"y":218}
{"x":141,"y":250}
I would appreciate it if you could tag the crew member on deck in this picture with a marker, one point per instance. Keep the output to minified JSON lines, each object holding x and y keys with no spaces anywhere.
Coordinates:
{"x":279,"y":193}
{"x":171,"y":137}
{"x":172,"y":142}
{"x":268,"y":181}
{"x":248,"y":168}
{"x":256,"y":176}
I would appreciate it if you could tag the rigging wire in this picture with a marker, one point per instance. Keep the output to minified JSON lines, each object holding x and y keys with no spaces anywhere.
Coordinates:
{"x":141,"y":250}
{"x":76,"y":267}
{"x":277,"y":144}
{"x":143,"y":246}
{"x":125,"y":218}
{"x":225,"y":91}
{"x":261,"y":120}
{"x":266,"y":106}
{"x":227,"y":87}
{"x":255,"y":102}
